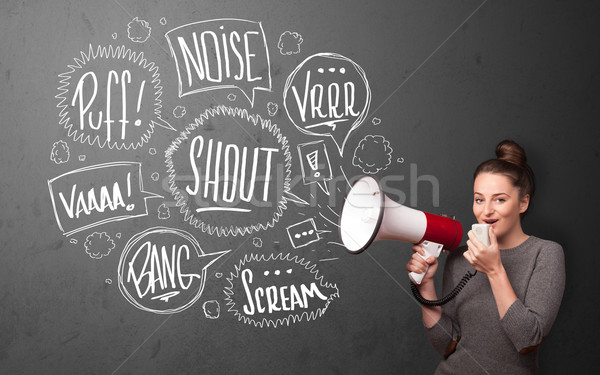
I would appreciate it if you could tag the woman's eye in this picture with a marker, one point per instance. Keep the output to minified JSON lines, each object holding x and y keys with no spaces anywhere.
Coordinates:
{"x":478,"y":200}
{"x":501,"y":200}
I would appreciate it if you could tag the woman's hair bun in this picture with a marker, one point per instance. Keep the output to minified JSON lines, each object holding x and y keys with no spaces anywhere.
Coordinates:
{"x":511,"y":152}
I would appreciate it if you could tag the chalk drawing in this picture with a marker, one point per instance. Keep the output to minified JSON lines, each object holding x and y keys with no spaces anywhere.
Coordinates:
{"x":376,"y":121}
{"x":98,"y":194}
{"x":232,"y":97}
{"x":163,"y":270}
{"x":155,"y":176}
{"x":87,"y":113}
{"x":257,"y":242}
{"x":260,"y":295}
{"x":272,"y":108}
{"x":179,"y":111}
{"x":82,"y":157}
{"x":289,"y":43}
{"x":243,"y":182}
{"x":327,"y":95}
{"x":163,"y":21}
{"x":221,"y":54}
{"x":98,"y":245}
{"x":314,"y":161}
{"x":138,"y":30}
{"x":212,"y":309}
{"x":303,"y":233}
{"x":60,"y":152}
{"x":163,"y":212}
{"x":369,"y":153}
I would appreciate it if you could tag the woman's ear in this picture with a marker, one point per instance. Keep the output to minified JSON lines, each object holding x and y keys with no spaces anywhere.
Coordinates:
{"x":524,"y":203}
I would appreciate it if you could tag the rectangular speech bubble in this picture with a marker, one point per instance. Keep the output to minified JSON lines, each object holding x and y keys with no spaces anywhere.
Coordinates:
{"x":221,"y":53}
{"x":98,"y":194}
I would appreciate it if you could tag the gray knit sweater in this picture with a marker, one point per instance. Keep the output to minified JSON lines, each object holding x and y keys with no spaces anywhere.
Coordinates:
{"x":470,"y":333}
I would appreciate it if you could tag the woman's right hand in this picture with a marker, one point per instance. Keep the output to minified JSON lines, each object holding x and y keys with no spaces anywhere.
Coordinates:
{"x":418,"y":264}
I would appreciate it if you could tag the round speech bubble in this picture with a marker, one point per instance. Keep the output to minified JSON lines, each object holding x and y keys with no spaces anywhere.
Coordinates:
{"x":229,"y":172}
{"x":327,"y":95}
{"x":163,"y":270}
{"x":110,"y":96}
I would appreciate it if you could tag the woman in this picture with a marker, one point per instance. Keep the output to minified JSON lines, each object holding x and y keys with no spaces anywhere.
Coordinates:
{"x":498,"y":321}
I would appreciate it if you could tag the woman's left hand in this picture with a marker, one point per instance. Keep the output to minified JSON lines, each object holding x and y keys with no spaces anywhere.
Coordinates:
{"x":485,"y":259}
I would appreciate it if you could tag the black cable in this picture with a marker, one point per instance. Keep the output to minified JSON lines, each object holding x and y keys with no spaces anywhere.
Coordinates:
{"x":446,"y":299}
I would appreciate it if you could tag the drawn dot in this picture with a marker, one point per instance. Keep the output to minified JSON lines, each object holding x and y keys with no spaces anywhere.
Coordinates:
{"x":304,"y":233}
{"x":297,"y":235}
{"x":138,"y":122}
{"x":81,"y":157}
{"x":163,"y":21}
{"x":108,"y":281}
{"x":73,"y":241}
{"x":289,"y":271}
{"x":114,"y":36}
{"x":277,"y":272}
{"x":311,"y":231}
{"x":218,"y":275}
{"x":130,"y":207}
{"x":152,"y":151}
{"x":118,"y":235}
{"x":332,"y":70}
{"x":155,"y":176}
{"x":317,"y":174}
{"x":342,"y":70}
{"x":266,"y":273}
{"x":321,"y":70}
{"x":221,"y":27}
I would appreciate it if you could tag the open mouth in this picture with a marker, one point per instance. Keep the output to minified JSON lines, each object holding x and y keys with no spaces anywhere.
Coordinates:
{"x":490,"y":221}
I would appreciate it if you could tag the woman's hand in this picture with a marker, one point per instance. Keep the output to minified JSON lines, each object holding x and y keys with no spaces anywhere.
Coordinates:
{"x":418,"y":264}
{"x":485,"y":259}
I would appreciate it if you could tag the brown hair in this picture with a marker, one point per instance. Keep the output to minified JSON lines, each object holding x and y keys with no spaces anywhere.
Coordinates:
{"x":511,"y":161}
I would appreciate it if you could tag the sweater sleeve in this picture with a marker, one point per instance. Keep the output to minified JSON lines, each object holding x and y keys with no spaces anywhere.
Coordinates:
{"x":528,"y":320}
{"x":444,"y":335}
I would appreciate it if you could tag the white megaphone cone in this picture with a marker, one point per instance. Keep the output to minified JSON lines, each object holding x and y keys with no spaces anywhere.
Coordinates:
{"x":368,"y":215}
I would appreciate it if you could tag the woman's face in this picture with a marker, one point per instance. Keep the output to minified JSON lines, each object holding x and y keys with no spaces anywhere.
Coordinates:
{"x":496,"y":201}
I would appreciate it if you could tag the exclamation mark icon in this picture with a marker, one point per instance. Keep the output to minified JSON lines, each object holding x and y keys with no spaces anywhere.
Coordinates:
{"x":313,"y":158}
{"x":138,"y":122}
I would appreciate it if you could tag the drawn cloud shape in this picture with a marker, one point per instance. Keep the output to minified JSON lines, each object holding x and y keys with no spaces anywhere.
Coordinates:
{"x":60,"y":152}
{"x":138,"y":30}
{"x":98,"y":245}
{"x":272,"y":108}
{"x":212,"y":309}
{"x":372,"y":154}
{"x":163,"y":212}
{"x":289,"y":43}
{"x":179,"y":111}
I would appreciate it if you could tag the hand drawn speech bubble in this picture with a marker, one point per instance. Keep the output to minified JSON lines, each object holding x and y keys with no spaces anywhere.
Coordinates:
{"x":98,"y":194}
{"x":274,"y":290}
{"x":327,"y":95}
{"x":110,"y":97}
{"x":221,"y":53}
{"x":163,"y":270}
{"x":242,"y":183}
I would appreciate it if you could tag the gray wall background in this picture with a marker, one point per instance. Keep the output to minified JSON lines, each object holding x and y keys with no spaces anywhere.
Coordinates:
{"x":449,"y":81}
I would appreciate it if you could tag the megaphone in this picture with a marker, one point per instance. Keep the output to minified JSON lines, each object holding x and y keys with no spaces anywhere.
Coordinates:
{"x":368,"y":215}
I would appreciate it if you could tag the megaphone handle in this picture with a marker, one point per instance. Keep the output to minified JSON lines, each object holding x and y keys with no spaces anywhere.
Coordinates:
{"x":430,"y":248}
